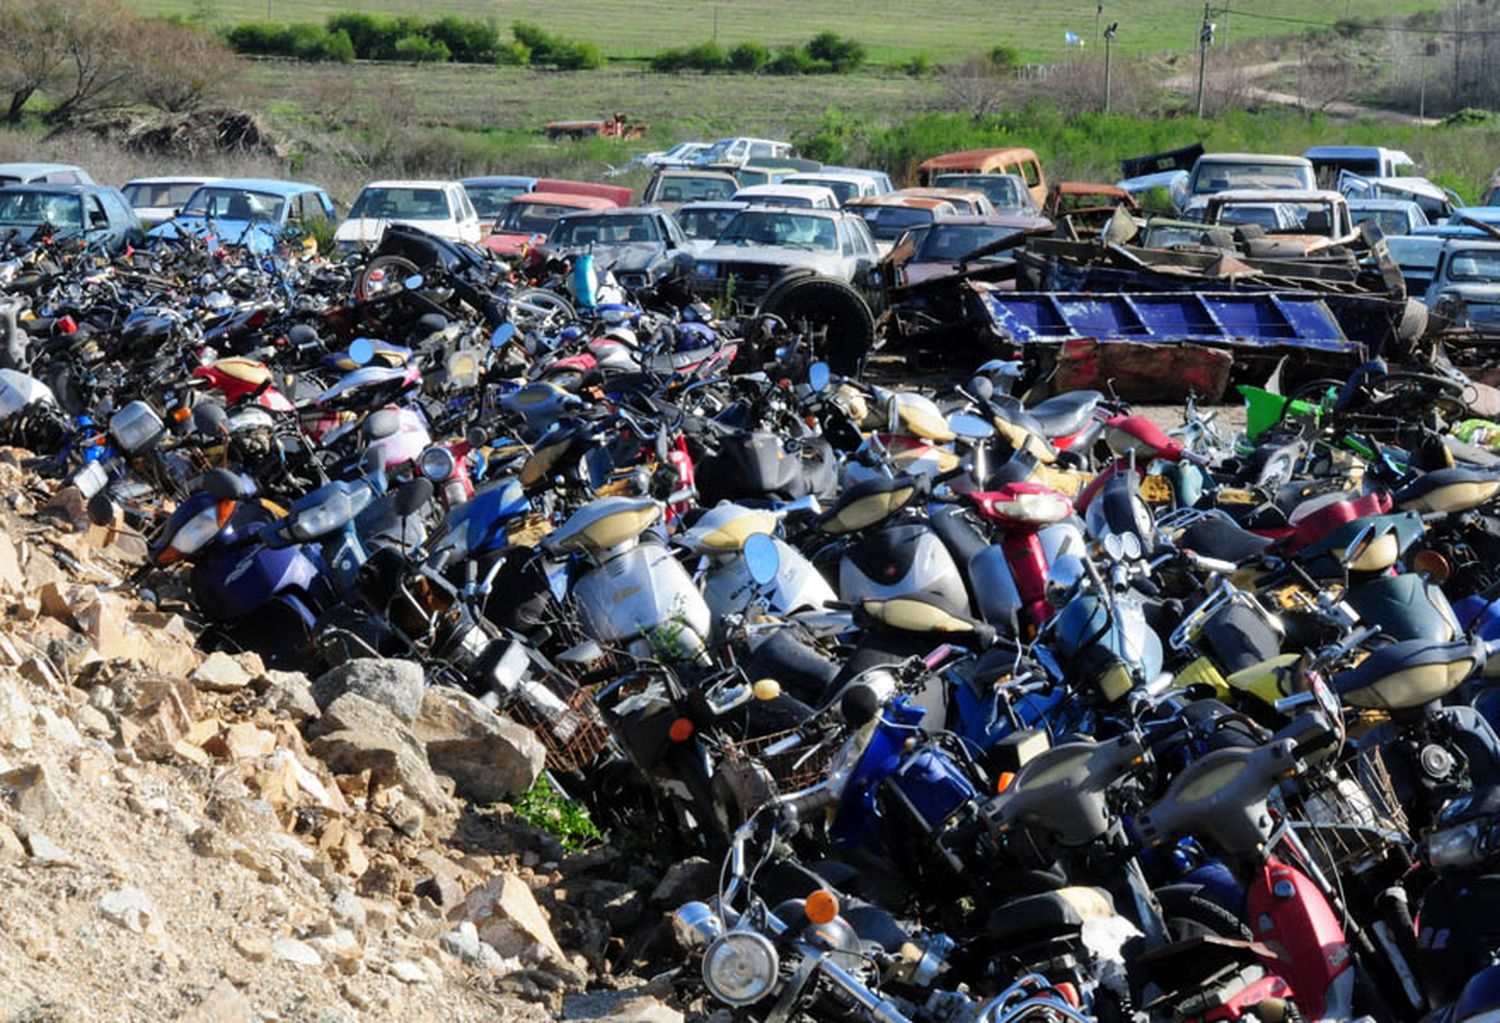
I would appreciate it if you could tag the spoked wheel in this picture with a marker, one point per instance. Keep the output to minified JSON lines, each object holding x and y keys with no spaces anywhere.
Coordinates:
{"x":383,"y":275}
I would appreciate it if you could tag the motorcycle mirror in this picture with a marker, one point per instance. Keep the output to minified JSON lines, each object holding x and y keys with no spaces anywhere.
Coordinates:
{"x":223,"y":485}
{"x":969,"y":426}
{"x":818,"y":377}
{"x":361,"y":351}
{"x":413,"y":497}
{"x":210,"y":418}
{"x":476,"y":437}
{"x":372,"y":462}
{"x":502,"y":334}
{"x":413,"y":282}
{"x":101,"y":509}
{"x":982,"y":387}
{"x":761,"y":558}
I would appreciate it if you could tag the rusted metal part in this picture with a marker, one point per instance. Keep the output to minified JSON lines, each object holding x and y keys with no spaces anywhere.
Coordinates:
{"x":1142,"y":372}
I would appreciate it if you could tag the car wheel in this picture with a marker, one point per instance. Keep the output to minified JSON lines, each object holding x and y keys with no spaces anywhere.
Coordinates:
{"x":830,"y":307}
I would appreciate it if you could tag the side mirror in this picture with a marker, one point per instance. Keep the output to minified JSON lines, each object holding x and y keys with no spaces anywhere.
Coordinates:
{"x":819,"y":376}
{"x":413,"y":282}
{"x":1359,"y":545}
{"x":413,"y":497}
{"x":982,"y":388}
{"x":361,"y":351}
{"x":502,"y":334}
{"x":372,"y":462}
{"x":761,"y":558}
{"x":476,"y":437}
{"x":969,"y":426}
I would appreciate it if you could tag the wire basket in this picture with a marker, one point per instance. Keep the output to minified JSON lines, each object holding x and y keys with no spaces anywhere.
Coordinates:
{"x":1349,"y":817}
{"x":756,"y":776}
{"x":574,"y":737}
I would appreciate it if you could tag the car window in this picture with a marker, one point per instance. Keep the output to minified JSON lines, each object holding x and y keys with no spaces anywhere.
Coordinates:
{"x":949,"y":243}
{"x":313,"y":210}
{"x":1030,"y":172}
{"x":781,"y":227}
{"x":490,"y":200}
{"x":605,"y":230}
{"x":888,"y":223}
{"x":687,"y":188}
{"x":703,"y":224}
{"x":236,"y":204}
{"x":1220,"y":177}
{"x":401,"y":204}
{"x":761,"y":149}
{"x":64,"y":212}
{"x":1474,"y":265}
{"x":523,"y":217}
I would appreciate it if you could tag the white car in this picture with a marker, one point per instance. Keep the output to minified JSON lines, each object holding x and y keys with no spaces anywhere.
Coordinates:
{"x":438,"y":207}
{"x":679,"y":155}
{"x":813,"y":197}
{"x":157,"y":200}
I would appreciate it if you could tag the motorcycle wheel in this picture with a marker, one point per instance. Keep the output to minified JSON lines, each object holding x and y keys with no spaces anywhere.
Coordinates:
{"x":1189,"y":914}
{"x":398,"y":267}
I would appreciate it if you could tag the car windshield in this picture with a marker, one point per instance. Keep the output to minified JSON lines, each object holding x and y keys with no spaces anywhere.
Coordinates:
{"x":1002,"y":189}
{"x":715,"y":152}
{"x":687,"y":188}
{"x":159,"y":194}
{"x":780,"y":199}
{"x":1220,"y":177}
{"x":1475,"y":265}
{"x":844,"y":189}
{"x":887,"y":223}
{"x":1389,"y":221}
{"x":1298,"y":217}
{"x":1414,"y":253}
{"x":776,"y":227}
{"x":703,"y":224}
{"x":32,"y":208}
{"x":401,"y":204}
{"x":1168,"y":236}
{"x":490,"y":200}
{"x":523,"y":217}
{"x":236,"y":204}
{"x":949,"y":243}
{"x":579,"y":231}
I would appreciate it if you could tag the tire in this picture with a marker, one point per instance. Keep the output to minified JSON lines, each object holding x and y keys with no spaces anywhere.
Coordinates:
{"x":830,"y":305}
{"x":390,"y":266}
{"x":547,"y":303}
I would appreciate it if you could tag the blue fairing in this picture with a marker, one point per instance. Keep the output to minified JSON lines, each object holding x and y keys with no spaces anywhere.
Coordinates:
{"x":255,"y":235}
{"x":230,"y":583}
{"x":480,"y":522}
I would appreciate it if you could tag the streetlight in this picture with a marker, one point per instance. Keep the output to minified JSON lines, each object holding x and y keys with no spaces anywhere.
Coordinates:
{"x":1109,"y":38}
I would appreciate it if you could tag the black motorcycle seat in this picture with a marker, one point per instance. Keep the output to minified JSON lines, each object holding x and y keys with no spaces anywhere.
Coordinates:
{"x":1407,"y":675}
{"x":1049,"y":915}
{"x":1217,"y":537}
{"x":1063,"y":415}
{"x":1482,"y":481}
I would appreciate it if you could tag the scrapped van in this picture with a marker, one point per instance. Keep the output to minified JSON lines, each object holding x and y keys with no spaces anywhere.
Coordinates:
{"x":1220,"y":172}
{"x":1367,"y":161}
{"x":1013,"y":160}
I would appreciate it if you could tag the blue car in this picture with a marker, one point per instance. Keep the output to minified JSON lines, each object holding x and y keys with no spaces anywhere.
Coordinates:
{"x":97,"y":214}
{"x":253,"y":212}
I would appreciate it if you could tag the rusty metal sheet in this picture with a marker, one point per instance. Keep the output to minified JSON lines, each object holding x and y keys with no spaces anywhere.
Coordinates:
{"x":1143,"y":372}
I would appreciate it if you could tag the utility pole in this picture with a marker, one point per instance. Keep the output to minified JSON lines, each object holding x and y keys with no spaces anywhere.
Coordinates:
{"x":1109,"y":38}
{"x":716,"y":23}
{"x":1205,"y":37}
{"x":1098,"y":19}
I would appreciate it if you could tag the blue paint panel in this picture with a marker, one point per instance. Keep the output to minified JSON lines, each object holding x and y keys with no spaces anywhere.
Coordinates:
{"x":1232,"y":318}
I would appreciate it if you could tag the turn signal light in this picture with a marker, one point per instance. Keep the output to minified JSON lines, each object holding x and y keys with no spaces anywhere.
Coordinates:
{"x":681,"y":730}
{"x":1069,"y":993}
{"x":821,"y":907}
{"x":1006,"y":779}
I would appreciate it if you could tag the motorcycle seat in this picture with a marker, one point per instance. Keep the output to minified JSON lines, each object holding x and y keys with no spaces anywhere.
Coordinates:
{"x":606,"y":522}
{"x":1449,"y":490}
{"x":1408,"y":675}
{"x":1049,"y":915}
{"x":1063,"y":415}
{"x":866,"y":503}
{"x":1215,"y":536}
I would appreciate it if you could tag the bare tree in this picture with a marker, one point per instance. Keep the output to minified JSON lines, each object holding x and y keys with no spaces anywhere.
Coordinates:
{"x":175,"y":67}
{"x":976,"y":86}
{"x":33,"y":47}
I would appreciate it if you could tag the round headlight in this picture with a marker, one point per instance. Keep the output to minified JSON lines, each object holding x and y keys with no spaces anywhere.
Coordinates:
{"x":740,"y":967}
{"x":437,"y":464}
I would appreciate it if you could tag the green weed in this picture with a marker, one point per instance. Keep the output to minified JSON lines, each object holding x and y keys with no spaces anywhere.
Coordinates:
{"x":545,"y":808}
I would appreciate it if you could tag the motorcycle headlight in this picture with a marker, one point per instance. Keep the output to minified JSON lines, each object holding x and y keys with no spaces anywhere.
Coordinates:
{"x":197,"y":531}
{"x":321,"y":519}
{"x":437,"y":464}
{"x":1455,"y":848}
{"x":739,"y":968}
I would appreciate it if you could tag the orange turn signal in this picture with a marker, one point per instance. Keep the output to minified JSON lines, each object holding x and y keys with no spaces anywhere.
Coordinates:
{"x":1004,"y":781}
{"x":681,"y":730}
{"x":1069,"y":993}
{"x":821,"y":907}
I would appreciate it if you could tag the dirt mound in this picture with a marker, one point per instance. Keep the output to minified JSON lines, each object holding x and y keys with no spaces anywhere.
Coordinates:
{"x":201,"y":133}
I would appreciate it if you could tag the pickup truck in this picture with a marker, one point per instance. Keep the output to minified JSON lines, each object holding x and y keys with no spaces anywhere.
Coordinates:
{"x":1465,"y":285}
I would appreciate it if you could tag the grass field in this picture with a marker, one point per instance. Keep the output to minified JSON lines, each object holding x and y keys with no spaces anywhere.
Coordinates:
{"x":890,"y":28}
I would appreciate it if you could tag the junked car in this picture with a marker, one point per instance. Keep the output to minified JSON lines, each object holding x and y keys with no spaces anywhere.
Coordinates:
{"x":253,"y":212}
{"x":1437,"y":203}
{"x":528,"y":219}
{"x":1465,"y":286}
{"x":891,"y":216}
{"x":96,"y":214}
{"x":641,"y":245}
{"x":846,"y":185}
{"x":1394,"y":216}
{"x":441,"y":208}
{"x":967,"y":201}
{"x":43,"y":174}
{"x":1369,"y":161}
{"x":1007,"y":192}
{"x":762,"y":243}
{"x":761,"y":174}
{"x":490,"y":193}
{"x":703,"y":222}
{"x":1016,"y":160}
{"x":1417,"y":257}
{"x":1220,"y":172}
{"x":670,"y":187}
{"x":1321,"y":217}
{"x":743,"y":149}
{"x":943,"y":249}
{"x":679,"y":155}
{"x":156,"y":200}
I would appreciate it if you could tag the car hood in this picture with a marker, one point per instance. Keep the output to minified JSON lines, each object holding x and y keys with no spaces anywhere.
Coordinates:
{"x":627,"y":257}
{"x":368,"y":230}
{"x":511,"y":244}
{"x":771,"y":255}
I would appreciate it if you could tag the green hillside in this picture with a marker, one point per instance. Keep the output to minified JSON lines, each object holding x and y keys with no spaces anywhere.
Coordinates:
{"x":890,"y":28}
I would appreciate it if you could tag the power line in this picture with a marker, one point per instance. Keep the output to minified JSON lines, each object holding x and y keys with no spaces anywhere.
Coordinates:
{"x":1466,"y":33}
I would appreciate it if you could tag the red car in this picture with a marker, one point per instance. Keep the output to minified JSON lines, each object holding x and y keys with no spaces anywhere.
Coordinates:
{"x":527,"y":219}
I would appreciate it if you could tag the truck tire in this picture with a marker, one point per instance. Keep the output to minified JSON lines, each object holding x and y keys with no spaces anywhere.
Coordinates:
{"x":831,"y":305}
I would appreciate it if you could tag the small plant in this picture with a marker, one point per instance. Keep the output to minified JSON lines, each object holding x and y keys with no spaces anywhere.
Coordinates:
{"x":546,"y":809}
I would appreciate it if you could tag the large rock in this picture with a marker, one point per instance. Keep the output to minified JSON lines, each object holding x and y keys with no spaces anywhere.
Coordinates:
{"x":360,"y":735}
{"x":489,"y":758}
{"x":395,"y":685}
{"x":31,"y":793}
{"x":220,"y":673}
{"x":508,"y":919}
{"x":222,"y":1004}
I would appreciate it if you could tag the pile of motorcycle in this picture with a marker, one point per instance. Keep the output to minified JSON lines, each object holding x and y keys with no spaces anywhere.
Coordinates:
{"x":989,"y":710}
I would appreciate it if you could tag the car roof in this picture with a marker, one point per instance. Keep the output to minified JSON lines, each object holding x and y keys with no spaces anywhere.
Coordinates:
{"x":712,"y":204}
{"x":1487,"y":245}
{"x":499,"y":179}
{"x":1019,"y":221}
{"x":1274,"y":159}
{"x":1382,"y":203}
{"x":797,"y":211}
{"x":747,"y":138}
{"x":572,"y":199}
{"x":175,"y":179}
{"x":1345,"y":152}
{"x":1287,"y":195}
{"x":967,"y":158}
{"x":431,"y":183}
{"x":616,"y":211}
{"x":915,"y":202}
{"x":1488,"y":214}
{"x":37,"y":168}
{"x":271,"y":186}
{"x":837,"y":175}
{"x":695,"y":172}
{"x":48,"y":188}
{"x":801,"y":191}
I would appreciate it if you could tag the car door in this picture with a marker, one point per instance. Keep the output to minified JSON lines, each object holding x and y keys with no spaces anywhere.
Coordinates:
{"x":468,"y":216}
{"x":125,"y":226}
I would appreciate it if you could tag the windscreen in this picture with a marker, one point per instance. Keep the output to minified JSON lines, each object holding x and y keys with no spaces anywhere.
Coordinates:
{"x":777,"y":227}
{"x":401,"y":204}
{"x":949,"y":243}
{"x":604,"y":230}
{"x":159,"y":195}
{"x":32,"y":208}
{"x":235,"y":204}
{"x":887,"y":223}
{"x":490,"y":200}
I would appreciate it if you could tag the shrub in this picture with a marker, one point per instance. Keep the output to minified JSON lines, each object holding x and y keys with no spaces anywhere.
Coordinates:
{"x":842,"y":55}
{"x":705,"y":57}
{"x":749,"y":57}
{"x":669,"y":61}
{"x":574,"y":56}
{"x":534,"y":38}
{"x":513,"y":52}
{"x":366,"y":32}
{"x":1005,"y":57}
{"x":791,"y":60}
{"x":472,"y":41}
{"x":421,"y":50}
{"x":918,"y":65}
{"x":259,"y":38}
